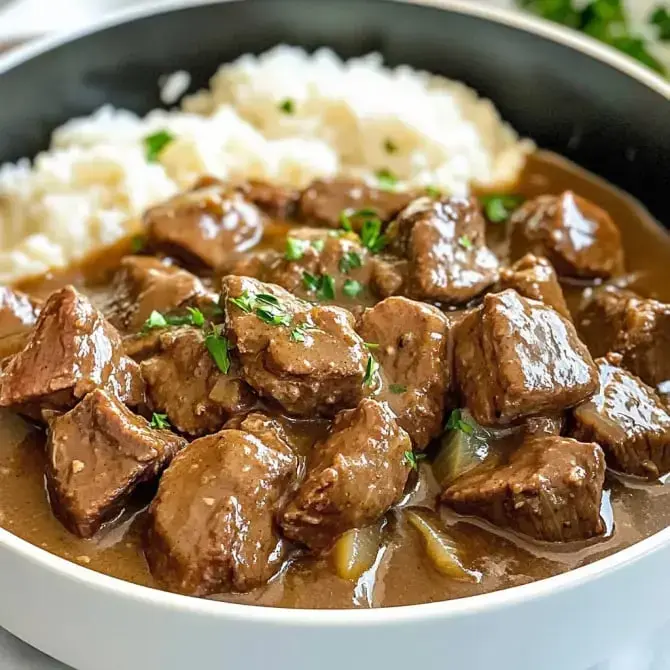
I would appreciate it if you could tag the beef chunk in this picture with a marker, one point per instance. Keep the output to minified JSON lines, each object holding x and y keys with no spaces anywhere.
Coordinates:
{"x":579,"y":238}
{"x":628,"y":420}
{"x":444,"y":243}
{"x":144,"y":284}
{"x":276,"y":201}
{"x":535,"y":278}
{"x":184,"y":382}
{"x":204,"y":226}
{"x":415,"y":357}
{"x":71,"y":351}
{"x":325,"y":199}
{"x":353,"y":477}
{"x":212,"y":525}
{"x":306,"y":357}
{"x":551,"y":490}
{"x":516,"y":357}
{"x":18,"y":312}
{"x":637,"y":328}
{"x":97,"y":454}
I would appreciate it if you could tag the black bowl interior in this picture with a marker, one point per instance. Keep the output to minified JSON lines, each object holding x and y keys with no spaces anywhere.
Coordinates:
{"x":582,"y":108}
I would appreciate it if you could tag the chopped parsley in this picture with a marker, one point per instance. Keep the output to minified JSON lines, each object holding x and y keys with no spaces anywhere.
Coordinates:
{"x":160,"y":421}
{"x":245,"y":302}
{"x":371,"y":345}
{"x":196,"y":316}
{"x":390,"y":146}
{"x":298,"y":333}
{"x":155,"y":320}
{"x":318,"y":244}
{"x":660,"y":18}
{"x":154,"y":144}
{"x":347,"y":216}
{"x":499,"y":207}
{"x":350,"y":261}
{"x":267,"y":299}
{"x":137,"y":244}
{"x":371,"y":235}
{"x":345,"y":221}
{"x":352,"y":288}
{"x":295,"y":249}
{"x":370,"y":371}
{"x":433,"y":192}
{"x":397,"y":388}
{"x":465,"y":242}
{"x":322,"y":285}
{"x":218,"y":347}
{"x":273,"y":317}
{"x":287,"y":106}
{"x":386,"y":179}
{"x":413,"y":459}
{"x":456,"y":422}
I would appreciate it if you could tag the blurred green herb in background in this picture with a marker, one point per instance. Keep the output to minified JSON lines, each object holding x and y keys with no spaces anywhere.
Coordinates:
{"x":605,"y":20}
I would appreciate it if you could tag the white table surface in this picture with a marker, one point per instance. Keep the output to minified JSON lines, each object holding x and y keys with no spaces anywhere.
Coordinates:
{"x":20,"y":19}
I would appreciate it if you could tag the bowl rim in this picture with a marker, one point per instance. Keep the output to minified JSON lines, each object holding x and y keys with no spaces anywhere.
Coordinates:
{"x":85,"y":577}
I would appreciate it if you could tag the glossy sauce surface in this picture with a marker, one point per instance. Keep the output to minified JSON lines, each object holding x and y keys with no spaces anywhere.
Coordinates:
{"x":402,"y":573}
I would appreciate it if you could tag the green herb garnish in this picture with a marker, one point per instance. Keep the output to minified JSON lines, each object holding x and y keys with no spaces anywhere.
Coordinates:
{"x":287,"y":106}
{"x":350,"y":261}
{"x":413,"y":459}
{"x":154,"y":144}
{"x":310,"y":282}
{"x":327,"y":289}
{"x":155,"y":320}
{"x":273,"y":318}
{"x":160,"y":421}
{"x":387,"y":180}
{"x":433,"y":192}
{"x":137,"y":243}
{"x":318,"y":245}
{"x":397,"y":388}
{"x":352,"y":288}
{"x":245,"y":302}
{"x":267,"y":299}
{"x":295,"y":249}
{"x":371,"y":235}
{"x":660,"y":18}
{"x":370,"y":371}
{"x":218,"y":347}
{"x":456,"y":422}
{"x":371,"y":345}
{"x":498,"y":208}
{"x":390,"y":146}
{"x":465,"y":242}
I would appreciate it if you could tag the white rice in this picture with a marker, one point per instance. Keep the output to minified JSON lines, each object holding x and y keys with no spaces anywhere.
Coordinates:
{"x":90,"y":188}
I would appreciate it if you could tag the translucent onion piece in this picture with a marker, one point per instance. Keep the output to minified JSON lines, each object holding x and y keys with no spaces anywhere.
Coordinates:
{"x":441,"y":549}
{"x":356,"y":551}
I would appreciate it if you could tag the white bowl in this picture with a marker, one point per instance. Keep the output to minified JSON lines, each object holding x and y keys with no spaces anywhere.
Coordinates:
{"x":568,"y":622}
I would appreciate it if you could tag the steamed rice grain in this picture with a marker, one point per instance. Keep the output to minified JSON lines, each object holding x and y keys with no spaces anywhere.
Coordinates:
{"x":352,"y":118}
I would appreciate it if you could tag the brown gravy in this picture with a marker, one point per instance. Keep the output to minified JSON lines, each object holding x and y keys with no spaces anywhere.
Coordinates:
{"x":402,"y":574}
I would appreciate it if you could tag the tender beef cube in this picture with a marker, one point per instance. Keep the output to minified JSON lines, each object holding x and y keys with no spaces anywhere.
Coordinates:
{"x":97,"y":455}
{"x":71,"y":350}
{"x":205,"y":225}
{"x":276,"y":201}
{"x":550,"y":489}
{"x":637,"y":328}
{"x":415,"y":354}
{"x":579,"y":238}
{"x":517,"y":357}
{"x":388,"y":274}
{"x":306,"y":357}
{"x":325,"y":199}
{"x":628,"y":420}
{"x":354,"y":476}
{"x":184,"y":382}
{"x":212,"y":527}
{"x":18,"y":312}
{"x":535,"y":278}
{"x":544,"y":424}
{"x":444,"y":244}
{"x":144,"y":284}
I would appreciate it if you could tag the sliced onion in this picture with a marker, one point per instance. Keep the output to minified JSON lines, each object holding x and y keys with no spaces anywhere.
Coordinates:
{"x":440,"y":548}
{"x":356,"y":551}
